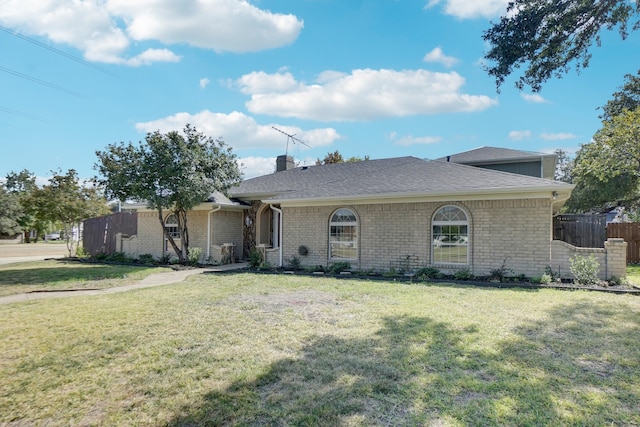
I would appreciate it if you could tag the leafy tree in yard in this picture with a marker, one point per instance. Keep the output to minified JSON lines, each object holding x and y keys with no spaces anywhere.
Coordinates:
{"x":594,"y":190}
{"x":22,"y":184}
{"x":171,"y":172}
{"x":627,"y":98}
{"x":10,"y":211}
{"x":607,"y":170}
{"x":64,"y":200}
{"x":547,"y":36}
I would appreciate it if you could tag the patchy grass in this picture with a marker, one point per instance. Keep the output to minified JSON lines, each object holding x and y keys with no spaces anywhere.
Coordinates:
{"x":633,"y":274}
{"x":250,"y":349}
{"x":55,"y":275}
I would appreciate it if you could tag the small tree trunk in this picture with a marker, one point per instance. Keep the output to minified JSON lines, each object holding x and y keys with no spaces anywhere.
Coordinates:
{"x":184,"y":232}
{"x":175,"y":247}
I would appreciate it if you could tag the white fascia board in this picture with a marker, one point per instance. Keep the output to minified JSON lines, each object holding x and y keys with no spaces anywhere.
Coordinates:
{"x":545,"y":192}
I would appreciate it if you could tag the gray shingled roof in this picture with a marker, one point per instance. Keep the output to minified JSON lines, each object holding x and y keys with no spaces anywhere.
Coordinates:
{"x":400,"y":176}
{"x":493,"y":154}
{"x":220,"y":199}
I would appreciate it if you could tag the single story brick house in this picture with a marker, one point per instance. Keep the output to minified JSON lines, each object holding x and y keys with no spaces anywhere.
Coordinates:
{"x":401,"y":213}
{"x":388,"y":213}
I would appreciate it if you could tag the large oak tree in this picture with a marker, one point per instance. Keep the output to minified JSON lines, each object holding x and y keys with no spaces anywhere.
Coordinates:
{"x":171,"y":172}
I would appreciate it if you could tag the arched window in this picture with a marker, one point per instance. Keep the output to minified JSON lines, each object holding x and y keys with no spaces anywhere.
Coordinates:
{"x":450,"y":230}
{"x":171,"y":223}
{"x":343,"y":235}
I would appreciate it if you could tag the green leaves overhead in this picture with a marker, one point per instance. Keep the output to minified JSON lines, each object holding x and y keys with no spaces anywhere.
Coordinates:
{"x":547,"y":36}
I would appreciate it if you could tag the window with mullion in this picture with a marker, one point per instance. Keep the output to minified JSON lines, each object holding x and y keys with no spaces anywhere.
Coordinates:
{"x":450,"y":234}
{"x":343,"y":235}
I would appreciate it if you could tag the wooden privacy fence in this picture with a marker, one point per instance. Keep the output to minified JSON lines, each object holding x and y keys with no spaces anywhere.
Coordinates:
{"x":99,"y":235}
{"x":581,"y":230}
{"x":630,"y":232}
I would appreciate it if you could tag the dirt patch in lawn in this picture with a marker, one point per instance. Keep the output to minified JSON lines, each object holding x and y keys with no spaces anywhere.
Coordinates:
{"x":313,"y":305}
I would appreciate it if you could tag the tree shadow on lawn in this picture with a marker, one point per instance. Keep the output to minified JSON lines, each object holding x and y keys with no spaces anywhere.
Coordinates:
{"x":580,"y":367}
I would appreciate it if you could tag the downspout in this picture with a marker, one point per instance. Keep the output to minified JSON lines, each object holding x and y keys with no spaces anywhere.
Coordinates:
{"x":279,"y":233}
{"x":209,"y":229}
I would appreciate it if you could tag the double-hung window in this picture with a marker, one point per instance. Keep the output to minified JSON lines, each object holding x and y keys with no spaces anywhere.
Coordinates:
{"x":343,"y":235}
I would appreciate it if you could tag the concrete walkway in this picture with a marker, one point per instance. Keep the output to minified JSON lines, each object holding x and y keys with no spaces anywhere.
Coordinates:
{"x":156,"y":279}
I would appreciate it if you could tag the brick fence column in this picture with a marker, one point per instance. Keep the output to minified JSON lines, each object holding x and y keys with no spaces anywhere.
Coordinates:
{"x":616,"y":249}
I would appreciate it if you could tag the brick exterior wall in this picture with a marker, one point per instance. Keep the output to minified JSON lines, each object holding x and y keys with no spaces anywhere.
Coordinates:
{"x":513,"y":232}
{"x":226,"y":227}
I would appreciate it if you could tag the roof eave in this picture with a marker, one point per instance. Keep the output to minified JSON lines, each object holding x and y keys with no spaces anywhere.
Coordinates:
{"x":484,"y":194}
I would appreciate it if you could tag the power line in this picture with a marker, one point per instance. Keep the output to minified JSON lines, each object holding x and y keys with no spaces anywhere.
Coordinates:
{"x":22,"y":114}
{"x":42,"y":82}
{"x":57,"y":51}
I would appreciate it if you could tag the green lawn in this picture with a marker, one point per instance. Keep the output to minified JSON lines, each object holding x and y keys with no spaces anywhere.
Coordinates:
{"x":249,"y":349}
{"x":633,"y":274}
{"x":56,"y":275}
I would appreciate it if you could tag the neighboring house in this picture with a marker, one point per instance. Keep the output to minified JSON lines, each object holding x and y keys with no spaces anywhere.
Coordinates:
{"x":377,"y":215}
{"x":508,"y":160}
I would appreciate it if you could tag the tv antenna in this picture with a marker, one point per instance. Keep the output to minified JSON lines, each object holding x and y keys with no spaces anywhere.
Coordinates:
{"x":291,"y":137}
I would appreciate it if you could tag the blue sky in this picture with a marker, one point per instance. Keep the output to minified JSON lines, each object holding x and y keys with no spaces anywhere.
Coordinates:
{"x":382,"y":78}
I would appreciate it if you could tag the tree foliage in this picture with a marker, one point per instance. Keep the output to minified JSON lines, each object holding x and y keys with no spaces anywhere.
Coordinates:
{"x":22,"y":185}
{"x":626,"y":98}
{"x":173,"y":172}
{"x":10,"y":211}
{"x":336,"y":157}
{"x":65,"y":200}
{"x":564,"y":166}
{"x":547,"y":36}
{"x":607,"y":170}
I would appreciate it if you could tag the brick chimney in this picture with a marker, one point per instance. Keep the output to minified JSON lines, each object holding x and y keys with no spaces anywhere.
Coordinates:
{"x":284,"y":163}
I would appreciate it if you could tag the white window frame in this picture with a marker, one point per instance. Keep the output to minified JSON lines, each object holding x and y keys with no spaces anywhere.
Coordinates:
{"x":335,"y":241}
{"x":171,"y":224}
{"x":462,"y":241}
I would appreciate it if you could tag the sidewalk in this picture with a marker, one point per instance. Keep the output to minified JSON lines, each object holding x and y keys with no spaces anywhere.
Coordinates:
{"x":157,"y":279}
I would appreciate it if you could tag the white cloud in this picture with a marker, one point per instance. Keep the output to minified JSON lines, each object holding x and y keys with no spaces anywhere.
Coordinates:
{"x":533,"y":98}
{"x":557,"y":136}
{"x":150,"y":56}
{"x":365,"y":94}
{"x":204,"y":83}
{"x":469,"y":9}
{"x":105,"y":29}
{"x":409,"y":140}
{"x":256,"y":166}
{"x":519,"y":134}
{"x":241,"y":131}
{"x":220,"y":25}
{"x":437,"y":55}
{"x":260,"y":82}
